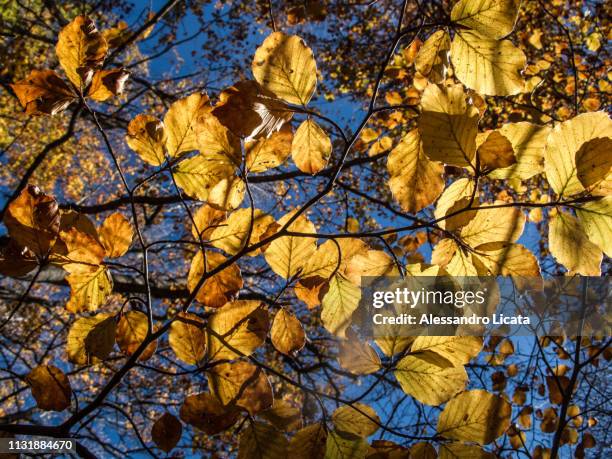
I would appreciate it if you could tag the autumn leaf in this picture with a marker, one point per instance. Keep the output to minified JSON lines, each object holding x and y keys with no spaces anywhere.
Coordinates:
{"x":236,"y":330}
{"x":308,"y":442}
{"x":267,"y":153}
{"x":596,"y":219}
{"x":43,"y":92}
{"x":116,"y":235}
{"x":219,"y":288}
{"x":311,"y":147}
{"x":81,"y":50}
{"x":358,"y":419}
{"x":262,"y":441}
{"x":495,"y":151}
{"x":166,"y":432}
{"x":205,"y":412}
{"x":594,"y":166}
{"x":489,"y":67}
{"x":231,"y":235}
{"x":283,"y":415}
{"x":77,"y":336}
{"x":187,"y":338}
{"x":286,"y":66}
{"x":287,"y":333}
{"x":571,"y":247}
{"x":433,"y":59}
{"x":492,"y":18}
{"x":448,"y":125}
{"x":415,"y":181}
{"x":132,"y":330}
{"x":180,"y":123}
{"x":107,"y":83}
{"x":476,"y":416}
{"x":50,"y":388}
{"x":147,"y":137}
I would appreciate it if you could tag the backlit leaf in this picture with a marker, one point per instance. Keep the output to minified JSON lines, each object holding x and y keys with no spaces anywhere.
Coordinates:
{"x":43,"y":92}
{"x":116,"y":235}
{"x":147,"y":137}
{"x":267,"y":153}
{"x":358,"y":419}
{"x":180,"y":123}
{"x":89,"y":289}
{"x":287,"y":333}
{"x":286,"y":66}
{"x":339,"y":303}
{"x":187,"y":338}
{"x":218,"y":289}
{"x":311,"y":147}
{"x":594,"y":166}
{"x":166,"y":432}
{"x":571,"y":247}
{"x":131,"y":332}
{"x":75,"y":344}
{"x":475,"y":416}
{"x":50,"y":388}
{"x":230,"y":236}
{"x":262,"y":441}
{"x":596,"y":220}
{"x":492,"y":18}
{"x":432,"y":61}
{"x":458,"y":350}
{"x":205,"y":412}
{"x":415,"y":181}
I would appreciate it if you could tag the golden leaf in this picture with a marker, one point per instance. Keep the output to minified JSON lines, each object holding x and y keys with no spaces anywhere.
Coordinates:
{"x":476,"y":416}
{"x":596,"y":219}
{"x":448,"y":125}
{"x":286,"y":66}
{"x":415,"y":181}
{"x":489,"y":67}
{"x":75,"y":343}
{"x":339,"y":303}
{"x":107,"y":83}
{"x":206,"y":220}
{"x":495,"y":151}
{"x":308,"y":442}
{"x":180,"y":123}
{"x":266,"y":153}
{"x":81,"y":49}
{"x":50,"y":388}
{"x":147,"y":137}
{"x":262,"y":441}
{"x":88,"y":289}
{"x":287,"y":333}
{"x":358,"y":419}
{"x":187,"y":338}
{"x":594,"y":166}
{"x":218,"y":289}
{"x":432,"y":61}
{"x":116,"y":235}
{"x":132,"y":330}
{"x":571,"y":247}
{"x":492,"y":18}
{"x":311,"y":147}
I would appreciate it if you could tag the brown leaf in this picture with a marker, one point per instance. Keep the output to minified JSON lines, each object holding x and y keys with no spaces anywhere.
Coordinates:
{"x":219,"y":288}
{"x":495,"y":152}
{"x":131,"y":332}
{"x":205,"y":412}
{"x":50,"y":388}
{"x":33,"y":220}
{"x":166,"y":432}
{"x":43,"y":92}
{"x":250,"y":111}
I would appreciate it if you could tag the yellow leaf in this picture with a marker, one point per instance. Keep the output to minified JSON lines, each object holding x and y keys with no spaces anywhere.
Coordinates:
{"x":339,"y":303}
{"x":461,"y":264}
{"x":230,"y":236}
{"x":492,"y":18}
{"x":218,"y":289}
{"x":205,"y":412}
{"x":215,"y":141}
{"x":187,"y":338}
{"x":287,"y":333}
{"x":495,"y":151}
{"x":147,"y":137}
{"x":475,"y":416}
{"x":84,"y":252}
{"x":341,"y":445}
{"x":205,"y":221}
{"x":308,"y":442}
{"x":448,"y":125}
{"x":459,"y":191}
{"x":243,"y":384}
{"x":286,"y":66}
{"x":373,"y":263}
{"x":80,"y":49}
{"x":287,"y":255}
{"x":107,"y":83}
{"x":262,"y":441}
{"x":198,"y":176}
{"x":571,"y":247}
{"x":415,"y":181}
{"x":456,"y":450}
{"x":132,"y":330}
{"x":428,"y":382}
{"x":528,"y":142}
{"x":236,"y":330}
{"x":311,"y":147}
{"x":489,"y":67}
{"x":506,"y":259}
{"x":166,"y":432}
{"x":75,"y":343}
{"x":458,"y":350}
{"x":594,"y":166}
{"x":358,"y":419}
{"x":503,"y":224}
{"x":89,"y":289}
{"x":181,"y":120}
{"x":228,"y":193}
{"x":596,"y":219}
{"x":116,"y":235}
{"x":43,"y":92}
{"x":251,"y":111}
{"x":432,"y":61}
{"x":267,"y":153}
{"x":50,"y":388}
{"x":423,"y":450}
{"x":564,"y":142}
{"x":443,"y":252}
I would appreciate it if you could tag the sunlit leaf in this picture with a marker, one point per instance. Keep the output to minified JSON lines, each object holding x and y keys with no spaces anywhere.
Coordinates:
{"x":43,"y":92}
{"x":147,"y":137}
{"x":267,"y":153}
{"x":287,"y":333}
{"x":131,"y":332}
{"x":596,"y":220}
{"x":50,"y":388}
{"x":286,"y":66}
{"x":116,"y":235}
{"x":187,"y":338}
{"x":262,"y":441}
{"x":571,"y":247}
{"x":492,"y":18}
{"x":358,"y":419}
{"x":311,"y":147}
{"x":219,"y":288}
{"x":180,"y":123}
{"x":205,"y":412}
{"x":75,"y":345}
{"x":432,"y":61}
